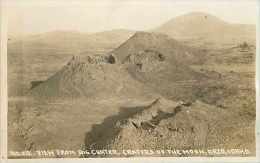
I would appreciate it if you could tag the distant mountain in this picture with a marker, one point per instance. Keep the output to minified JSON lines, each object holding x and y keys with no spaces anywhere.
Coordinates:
{"x":76,"y":42}
{"x":198,"y":26}
{"x":58,"y":46}
{"x":113,"y":35}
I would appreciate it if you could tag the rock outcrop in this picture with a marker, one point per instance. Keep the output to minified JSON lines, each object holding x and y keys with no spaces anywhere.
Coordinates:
{"x":165,"y":124}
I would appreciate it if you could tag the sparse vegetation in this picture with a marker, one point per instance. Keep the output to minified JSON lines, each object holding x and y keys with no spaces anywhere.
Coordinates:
{"x":146,"y":92}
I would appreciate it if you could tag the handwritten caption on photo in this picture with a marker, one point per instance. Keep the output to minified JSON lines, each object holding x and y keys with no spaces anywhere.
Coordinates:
{"x":130,"y":152}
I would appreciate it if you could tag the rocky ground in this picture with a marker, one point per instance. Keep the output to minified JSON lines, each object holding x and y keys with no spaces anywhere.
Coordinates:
{"x":152,"y":92}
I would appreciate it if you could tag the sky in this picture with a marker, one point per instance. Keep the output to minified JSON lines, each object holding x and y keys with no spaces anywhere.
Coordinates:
{"x":35,"y":16}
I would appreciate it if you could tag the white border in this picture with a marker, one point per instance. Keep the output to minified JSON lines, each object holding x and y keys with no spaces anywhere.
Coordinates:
{"x":3,"y":81}
{"x":3,"y":104}
{"x":257,"y":83}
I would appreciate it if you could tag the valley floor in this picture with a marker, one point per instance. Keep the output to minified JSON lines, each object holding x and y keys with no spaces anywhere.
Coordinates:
{"x":69,"y":124}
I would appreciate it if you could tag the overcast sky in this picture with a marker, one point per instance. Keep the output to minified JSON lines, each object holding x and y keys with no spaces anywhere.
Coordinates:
{"x":35,"y":16}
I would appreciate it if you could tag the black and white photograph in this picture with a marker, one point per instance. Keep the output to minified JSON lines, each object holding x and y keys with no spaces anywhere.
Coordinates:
{"x":127,"y":79}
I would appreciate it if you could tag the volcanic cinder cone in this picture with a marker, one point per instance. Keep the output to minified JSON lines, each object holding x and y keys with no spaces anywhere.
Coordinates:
{"x":160,"y":62}
{"x":98,"y":76}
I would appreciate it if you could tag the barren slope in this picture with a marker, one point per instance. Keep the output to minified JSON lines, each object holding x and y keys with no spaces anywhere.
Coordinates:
{"x":165,"y":125}
{"x":161,"y":63}
{"x":200,"y":28}
{"x":97,"y":76}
